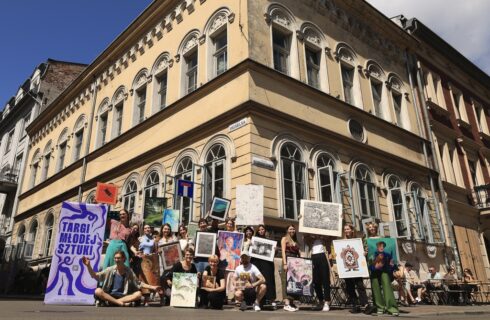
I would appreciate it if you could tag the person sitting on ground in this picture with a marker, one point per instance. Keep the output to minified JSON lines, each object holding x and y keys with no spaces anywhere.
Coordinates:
{"x":184,"y":266}
{"x":212,"y":291}
{"x":120,"y":286}
{"x":413,"y":284}
{"x":249,"y":284}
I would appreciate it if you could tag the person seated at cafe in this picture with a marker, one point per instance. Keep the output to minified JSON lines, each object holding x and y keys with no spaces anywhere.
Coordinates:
{"x":451,"y":282}
{"x":249,"y":284}
{"x":413,"y":283}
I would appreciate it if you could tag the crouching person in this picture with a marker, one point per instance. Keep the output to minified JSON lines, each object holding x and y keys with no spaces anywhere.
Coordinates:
{"x":249,"y":283}
{"x":120,"y":286}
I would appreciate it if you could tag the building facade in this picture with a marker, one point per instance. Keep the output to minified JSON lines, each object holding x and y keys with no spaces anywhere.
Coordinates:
{"x":310,"y":99}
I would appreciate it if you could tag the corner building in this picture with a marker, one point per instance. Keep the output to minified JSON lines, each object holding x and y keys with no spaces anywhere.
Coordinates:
{"x":311,"y":99}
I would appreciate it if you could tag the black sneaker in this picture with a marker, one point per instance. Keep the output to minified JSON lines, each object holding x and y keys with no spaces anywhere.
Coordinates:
{"x":369,"y":309}
{"x":318,"y":307}
{"x":243,"y":306}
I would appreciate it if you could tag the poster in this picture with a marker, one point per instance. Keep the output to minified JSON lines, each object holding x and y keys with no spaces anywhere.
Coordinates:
{"x":264,"y":249}
{"x":106,"y":193}
{"x":382,"y":245}
{"x":153,"y":211}
{"x":324,"y":218}
{"x":230,"y":248}
{"x":219,"y":208}
{"x":299,"y":277}
{"x":351,"y":262}
{"x":249,"y":205}
{"x":80,"y":233}
{"x":172,"y":217}
{"x":184,"y":288}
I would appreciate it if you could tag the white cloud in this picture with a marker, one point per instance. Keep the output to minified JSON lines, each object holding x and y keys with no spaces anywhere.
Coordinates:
{"x":463,"y":24}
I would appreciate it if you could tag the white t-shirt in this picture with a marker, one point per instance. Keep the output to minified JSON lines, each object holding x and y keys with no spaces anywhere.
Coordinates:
{"x":249,"y":272}
{"x":317,"y":247}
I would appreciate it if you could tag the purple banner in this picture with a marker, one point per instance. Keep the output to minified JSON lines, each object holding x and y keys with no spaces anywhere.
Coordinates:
{"x":80,"y":233}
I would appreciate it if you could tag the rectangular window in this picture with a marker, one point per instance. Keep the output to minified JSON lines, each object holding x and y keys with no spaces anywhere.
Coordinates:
{"x":280,"y":43}
{"x":456,"y":99}
{"x":162,"y":90}
{"x":313,"y":67}
{"x":25,"y":123}
{"x":118,"y":117}
{"x":474,"y":177}
{"x":34,"y":174}
{"x":348,"y":84}
{"x":377,"y":90}
{"x":10,"y":138}
{"x":221,"y":52}
{"x":47,"y":160}
{"x":78,"y":145}
{"x":61,"y":158}
{"x":397,"y":106}
{"x":191,"y":72}
{"x":140,"y":105}
{"x":293,"y":187}
{"x":103,"y":128}
{"x":16,"y":168}
{"x":327,"y":178}
{"x":398,"y":209}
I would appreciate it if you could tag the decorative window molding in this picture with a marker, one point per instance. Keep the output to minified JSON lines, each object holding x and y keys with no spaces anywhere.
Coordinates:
{"x":365,"y":191}
{"x":189,"y":51}
{"x":315,"y":43}
{"x":348,"y":65}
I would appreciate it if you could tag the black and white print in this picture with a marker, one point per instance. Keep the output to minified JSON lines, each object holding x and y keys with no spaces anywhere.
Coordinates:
{"x":264,"y":249}
{"x":323,"y":218}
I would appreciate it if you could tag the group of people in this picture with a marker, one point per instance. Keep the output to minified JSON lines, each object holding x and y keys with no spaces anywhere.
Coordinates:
{"x":254,"y":279}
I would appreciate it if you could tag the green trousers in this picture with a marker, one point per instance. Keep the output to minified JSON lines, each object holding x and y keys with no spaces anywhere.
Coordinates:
{"x":383,"y":296}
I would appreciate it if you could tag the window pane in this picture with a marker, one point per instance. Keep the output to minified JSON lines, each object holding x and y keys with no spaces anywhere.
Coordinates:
{"x":289,"y":208}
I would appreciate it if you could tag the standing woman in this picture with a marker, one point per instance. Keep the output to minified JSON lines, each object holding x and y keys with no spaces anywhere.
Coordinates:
{"x":321,"y":271}
{"x":247,"y":241}
{"x":266,"y":268}
{"x":120,"y":232}
{"x":230,"y":225}
{"x":351,"y":284}
{"x":184,"y":239}
{"x":166,"y":236}
{"x":289,"y":248}
{"x":381,"y":274}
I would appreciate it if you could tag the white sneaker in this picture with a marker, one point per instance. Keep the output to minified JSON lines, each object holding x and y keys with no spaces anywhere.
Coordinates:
{"x":256,"y":307}
{"x":274,"y":306}
{"x":290,"y":308}
{"x":326,"y":307}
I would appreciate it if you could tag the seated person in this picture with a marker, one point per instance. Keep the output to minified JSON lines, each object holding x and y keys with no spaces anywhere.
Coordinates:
{"x":249,"y":284}
{"x":413,"y":283}
{"x":434,"y":279}
{"x":212,"y":291}
{"x":120,"y":286}
{"x":184,"y":266}
{"x":451,"y":280}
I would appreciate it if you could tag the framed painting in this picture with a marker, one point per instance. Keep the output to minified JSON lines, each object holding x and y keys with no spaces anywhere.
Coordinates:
{"x":184,"y":289}
{"x":153,"y":211}
{"x":351,"y":262}
{"x":264,"y":249}
{"x":324,"y":218}
{"x":205,"y":244}
{"x":378,"y":247}
{"x":230,"y":248}
{"x":299,"y":277}
{"x":219,"y":208}
{"x":170,"y":254}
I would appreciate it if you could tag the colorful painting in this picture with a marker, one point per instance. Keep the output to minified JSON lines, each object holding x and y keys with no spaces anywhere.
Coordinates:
{"x":264,"y":249}
{"x":249,"y":205}
{"x":351,"y":262}
{"x":153,"y":213}
{"x":150,"y":268}
{"x":230,"y":284}
{"x":378,"y":247}
{"x":230,"y":248}
{"x":184,"y":288}
{"x":324,"y":218}
{"x":192,"y":230}
{"x":172,"y":217}
{"x":205,"y":244}
{"x":170,"y":254}
{"x":299,"y":277}
{"x":220,"y":208}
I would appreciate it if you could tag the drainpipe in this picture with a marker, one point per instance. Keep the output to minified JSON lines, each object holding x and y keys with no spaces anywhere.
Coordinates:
{"x":450,"y":228}
{"x":89,"y":136}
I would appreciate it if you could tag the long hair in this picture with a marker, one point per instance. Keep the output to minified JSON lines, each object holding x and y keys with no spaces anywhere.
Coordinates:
{"x":290,"y":239}
{"x":265,"y":236}
{"x":169,"y":227}
{"x":351,"y":226}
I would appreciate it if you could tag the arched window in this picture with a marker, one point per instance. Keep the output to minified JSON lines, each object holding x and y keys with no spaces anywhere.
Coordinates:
{"x":62,"y":144}
{"x":118,"y":103}
{"x":316,"y":66}
{"x":399,"y":108}
{"x":217,"y":33}
{"x":102,"y":120}
{"x":48,"y":235}
{"x":293,"y":179}
{"x":214,"y":174}
{"x":327,"y":178}
{"x":129,"y":197}
{"x":31,"y":238}
{"x":78,"y":137}
{"x":139,"y":92}
{"x":350,"y":79}
{"x":160,"y":74}
{"x":35,"y":167}
{"x":90,"y":198}
{"x":377,"y":79}
{"x":185,"y":171}
{"x":152,"y":184}
{"x":46,"y":161}
{"x":366,"y":192}
{"x":422,"y":225}
{"x":21,"y":235}
{"x":398,"y":207}
{"x":189,"y":55}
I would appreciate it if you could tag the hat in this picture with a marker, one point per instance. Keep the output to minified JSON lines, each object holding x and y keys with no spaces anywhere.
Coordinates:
{"x":245,"y":253}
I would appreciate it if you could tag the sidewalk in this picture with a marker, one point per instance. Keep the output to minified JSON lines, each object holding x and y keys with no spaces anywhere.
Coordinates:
{"x":431,"y":310}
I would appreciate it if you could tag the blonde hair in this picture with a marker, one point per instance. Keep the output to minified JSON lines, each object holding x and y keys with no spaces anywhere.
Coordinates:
{"x":213,"y":257}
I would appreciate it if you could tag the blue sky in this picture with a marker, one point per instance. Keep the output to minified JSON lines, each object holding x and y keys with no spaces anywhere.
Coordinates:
{"x":79,"y":30}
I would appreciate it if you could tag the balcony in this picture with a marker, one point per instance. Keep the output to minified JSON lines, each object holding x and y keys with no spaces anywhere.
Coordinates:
{"x":8,"y":180}
{"x":481,"y":198}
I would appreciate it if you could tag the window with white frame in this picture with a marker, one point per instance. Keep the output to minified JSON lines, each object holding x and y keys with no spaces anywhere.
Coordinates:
{"x":214,"y":174}
{"x":77,"y":144}
{"x":25,"y":124}
{"x":327,"y":178}
{"x":481,"y":118}
{"x":34,"y":167}
{"x":459,"y":105}
{"x":152,"y":185}
{"x":140,"y":105}
{"x":396,"y":87}
{"x":17,"y":163}
{"x":377,"y":78}
{"x":185,"y":171}
{"x":220,"y":51}
{"x":46,"y":162}
{"x":21,"y":242}
{"x":191,"y":65}
{"x":48,"y":235}
{"x":10,"y":139}
{"x":377,"y":92}
{"x":31,"y":238}
{"x":397,"y":206}
{"x":348,"y":83}
{"x":189,"y":53}
{"x":129,"y":197}
{"x":118,"y":119}
{"x":160,"y":74}
{"x":162,"y":90}
{"x":422,"y":213}
{"x":293,"y":179}
{"x":313,"y":58}
{"x":438,"y":90}
{"x":281,"y":46}
{"x":102,"y":120}
{"x":62,"y":146}
{"x":366,"y":192}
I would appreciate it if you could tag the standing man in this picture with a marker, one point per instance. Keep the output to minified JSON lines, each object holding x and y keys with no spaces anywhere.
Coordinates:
{"x":249,"y":283}
{"x":120,"y":286}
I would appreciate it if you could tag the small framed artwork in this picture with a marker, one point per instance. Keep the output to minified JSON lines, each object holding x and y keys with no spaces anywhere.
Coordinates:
{"x":205,"y":244}
{"x":264,"y":249}
{"x":170,"y":254}
{"x":219,"y":208}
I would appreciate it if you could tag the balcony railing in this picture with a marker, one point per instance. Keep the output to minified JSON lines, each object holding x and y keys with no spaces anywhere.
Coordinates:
{"x":481,"y":196}
{"x":9,"y":176}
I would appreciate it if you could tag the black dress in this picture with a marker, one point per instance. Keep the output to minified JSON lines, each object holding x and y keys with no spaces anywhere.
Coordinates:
{"x":213,"y":299}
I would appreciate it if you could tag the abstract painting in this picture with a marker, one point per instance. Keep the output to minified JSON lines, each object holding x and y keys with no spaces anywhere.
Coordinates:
{"x":219,"y":208}
{"x":172,"y":217}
